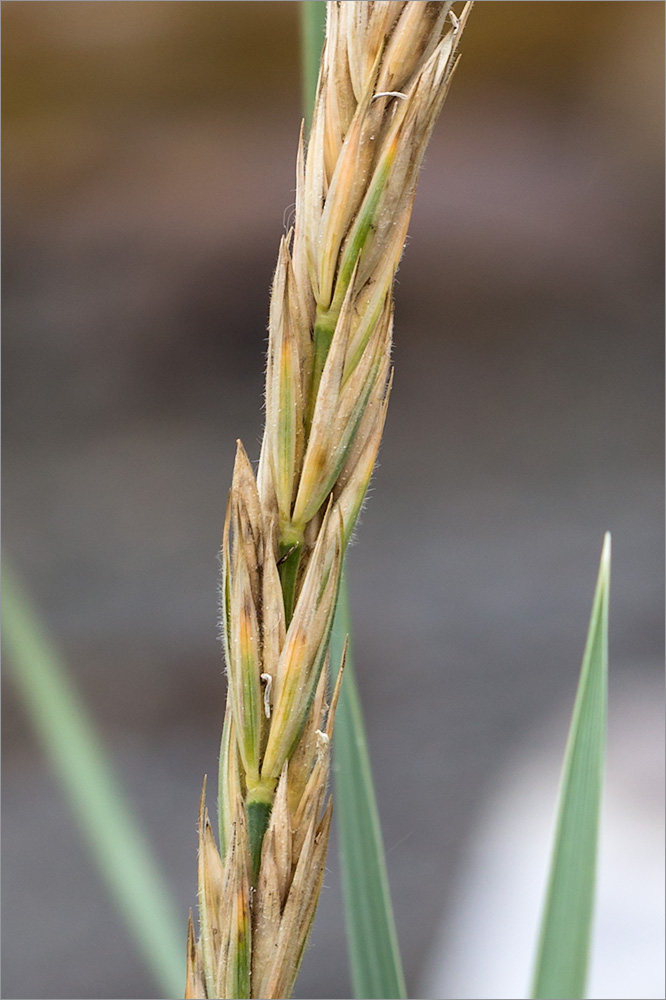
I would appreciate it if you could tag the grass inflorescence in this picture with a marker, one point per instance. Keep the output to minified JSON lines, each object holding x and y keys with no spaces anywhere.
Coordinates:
{"x":385,"y":71}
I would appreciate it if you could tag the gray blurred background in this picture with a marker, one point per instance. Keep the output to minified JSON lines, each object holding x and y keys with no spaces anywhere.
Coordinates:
{"x":148,"y":175}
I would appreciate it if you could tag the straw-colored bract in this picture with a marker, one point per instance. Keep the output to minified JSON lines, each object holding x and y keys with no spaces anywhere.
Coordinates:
{"x":386,"y":69}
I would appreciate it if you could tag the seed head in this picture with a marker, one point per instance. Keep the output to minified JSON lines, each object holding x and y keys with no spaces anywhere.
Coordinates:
{"x":386,"y":69}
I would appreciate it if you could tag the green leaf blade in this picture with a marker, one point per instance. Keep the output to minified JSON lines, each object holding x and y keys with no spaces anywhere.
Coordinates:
{"x":119,"y":847}
{"x":563,"y":952}
{"x":374,"y":954}
{"x":313,"y":28}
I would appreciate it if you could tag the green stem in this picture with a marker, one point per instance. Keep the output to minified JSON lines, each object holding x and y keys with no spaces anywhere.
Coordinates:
{"x":291,"y":550}
{"x":324,"y":329}
{"x":259,"y":802}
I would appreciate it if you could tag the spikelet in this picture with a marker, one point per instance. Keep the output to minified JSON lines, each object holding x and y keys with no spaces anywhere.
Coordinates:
{"x":386,"y":69}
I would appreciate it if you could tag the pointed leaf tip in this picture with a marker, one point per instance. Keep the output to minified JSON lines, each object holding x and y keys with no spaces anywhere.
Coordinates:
{"x":563,"y":951}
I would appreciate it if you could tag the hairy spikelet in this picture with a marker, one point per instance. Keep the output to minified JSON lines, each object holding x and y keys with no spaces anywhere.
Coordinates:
{"x":386,"y":69}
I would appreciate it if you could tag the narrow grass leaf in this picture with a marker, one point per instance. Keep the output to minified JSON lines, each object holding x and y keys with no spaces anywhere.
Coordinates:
{"x":371,"y":935}
{"x":120,"y":849}
{"x":313,"y":27}
{"x":562,"y":958}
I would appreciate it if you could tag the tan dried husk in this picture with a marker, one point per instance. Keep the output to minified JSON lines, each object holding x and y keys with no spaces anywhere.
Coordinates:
{"x":386,"y":69}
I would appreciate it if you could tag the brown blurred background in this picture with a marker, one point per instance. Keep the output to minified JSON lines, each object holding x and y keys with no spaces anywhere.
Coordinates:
{"x":148,"y":175}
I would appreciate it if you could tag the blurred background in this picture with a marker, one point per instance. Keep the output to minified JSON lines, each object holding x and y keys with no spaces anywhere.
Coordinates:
{"x":148,"y":175}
